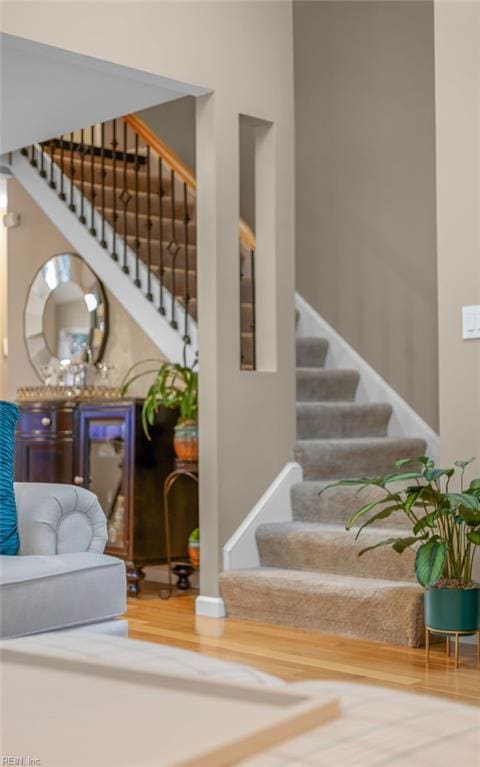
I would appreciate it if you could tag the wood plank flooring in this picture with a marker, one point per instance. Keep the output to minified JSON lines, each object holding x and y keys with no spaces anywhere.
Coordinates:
{"x":295,"y":654}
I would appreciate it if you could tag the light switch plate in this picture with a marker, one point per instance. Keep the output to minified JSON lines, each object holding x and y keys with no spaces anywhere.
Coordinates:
{"x":471,"y":321}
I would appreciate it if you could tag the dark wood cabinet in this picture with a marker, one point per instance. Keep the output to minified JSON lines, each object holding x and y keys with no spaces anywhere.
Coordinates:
{"x":101,"y":445}
{"x":44,"y":447}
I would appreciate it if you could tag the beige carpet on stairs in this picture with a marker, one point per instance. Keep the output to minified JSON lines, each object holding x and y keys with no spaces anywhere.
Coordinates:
{"x":311,"y":575}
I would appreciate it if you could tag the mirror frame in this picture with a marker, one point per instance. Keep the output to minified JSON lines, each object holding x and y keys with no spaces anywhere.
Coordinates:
{"x":60,"y":269}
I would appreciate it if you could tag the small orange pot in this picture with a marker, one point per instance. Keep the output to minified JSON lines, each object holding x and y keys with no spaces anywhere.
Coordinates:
{"x":194,"y":553}
{"x":185,"y":441}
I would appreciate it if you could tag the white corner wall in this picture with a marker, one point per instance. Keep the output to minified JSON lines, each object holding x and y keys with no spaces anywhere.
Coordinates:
{"x":247,"y":419}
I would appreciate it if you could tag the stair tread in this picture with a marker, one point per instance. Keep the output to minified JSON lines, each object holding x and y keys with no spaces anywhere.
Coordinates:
{"x":317,"y":419}
{"x":342,"y":404}
{"x":377,"y":609}
{"x":311,"y":340}
{"x":154,"y":215}
{"x":354,"y":456}
{"x":317,"y":384}
{"x":180,"y":270}
{"x":155,"y":241}
{"x":349,"y":442}
{"x":311,"y":351}
{"x":330,"y":548}
{"x":329,"y":581}
{"x":141,"y":192}
{"x":296,"y":527}
{"x":311,"y":488}
{"x":338,"y":504}
{"x":327,"y":372}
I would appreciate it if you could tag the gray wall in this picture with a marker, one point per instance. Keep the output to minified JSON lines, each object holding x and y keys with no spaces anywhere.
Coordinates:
{"x":238,"y":456}
{"x":174,"y":122}
{"x":365,"y":184}
{"x":457,"y":83}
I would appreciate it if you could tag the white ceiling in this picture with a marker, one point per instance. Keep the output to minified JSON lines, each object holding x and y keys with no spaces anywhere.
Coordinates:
{"x":47,"y":91}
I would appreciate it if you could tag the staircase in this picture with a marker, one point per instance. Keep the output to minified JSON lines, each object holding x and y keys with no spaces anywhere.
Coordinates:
{"x":310,"y":575}
{"x":137,"y":199}
{"x":120,"y":187}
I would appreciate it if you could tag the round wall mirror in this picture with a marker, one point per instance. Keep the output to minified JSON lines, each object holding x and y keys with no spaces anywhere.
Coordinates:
{"x":66,"y":314}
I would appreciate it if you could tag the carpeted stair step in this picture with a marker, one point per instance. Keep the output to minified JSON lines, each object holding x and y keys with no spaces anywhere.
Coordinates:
{"x":364,"y":608}
{"x":113,"y":199}
{"x":108,"y":168}
{"x":122,"y":174}
{"x":350,"y":458}
{"x":317,"y":385}
{"x":128,"y":223}
{"x":311,"y":352}
{"x":324,"y":420}
{"x":174,"y":281}
{"x":338,"y":504}
{"x":246,"y":349}
{"x":174,"y":254}
{"x":332,"y":549}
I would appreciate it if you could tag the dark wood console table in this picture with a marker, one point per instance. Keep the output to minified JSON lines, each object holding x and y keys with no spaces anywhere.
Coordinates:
{"x":100,"y":445}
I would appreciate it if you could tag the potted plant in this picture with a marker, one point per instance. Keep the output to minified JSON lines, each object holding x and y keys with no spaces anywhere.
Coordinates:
{"x":445,"y":531}
{"x":194,"y":547}
{"x":175,"y":387}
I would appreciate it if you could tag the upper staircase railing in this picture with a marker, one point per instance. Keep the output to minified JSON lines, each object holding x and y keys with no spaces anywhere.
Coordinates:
{"x":180,"y":168}
{"x":139,"y":186}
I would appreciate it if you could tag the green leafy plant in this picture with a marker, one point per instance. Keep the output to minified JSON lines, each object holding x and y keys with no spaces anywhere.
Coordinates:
{"x":445,"y":525}
{"x":194,"y":536}
{"x":174,"y":386}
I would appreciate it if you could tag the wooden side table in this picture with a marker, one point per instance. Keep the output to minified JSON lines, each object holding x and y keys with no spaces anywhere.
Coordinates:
{"x":182,"y":469}
{"x":448,"y":635}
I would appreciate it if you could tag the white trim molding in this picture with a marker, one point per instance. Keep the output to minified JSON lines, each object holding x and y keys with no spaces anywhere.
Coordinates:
{"x":241,"y":551}
{"x":210,"y":607}
{"x":405,"y":422}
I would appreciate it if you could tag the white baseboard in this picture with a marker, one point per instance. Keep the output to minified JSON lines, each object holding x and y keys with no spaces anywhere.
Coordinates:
{"x":405,"y":422}
{"x":210,"y":607}
{"x":241,"y":551}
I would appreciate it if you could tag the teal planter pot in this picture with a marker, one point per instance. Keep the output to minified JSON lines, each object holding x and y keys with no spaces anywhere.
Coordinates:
{"x":452,"y":609}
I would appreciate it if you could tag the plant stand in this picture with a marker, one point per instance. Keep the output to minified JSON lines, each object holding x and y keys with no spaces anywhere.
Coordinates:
{"x":448,"y":635}
{"x":182,"y":570}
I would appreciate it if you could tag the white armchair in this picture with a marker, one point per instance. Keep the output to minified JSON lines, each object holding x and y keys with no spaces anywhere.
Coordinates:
{"x":60,"y":578}
{"x":58,"y":519}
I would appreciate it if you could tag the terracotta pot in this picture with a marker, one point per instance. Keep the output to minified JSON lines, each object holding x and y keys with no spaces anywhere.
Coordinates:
{"x":185,"y":441}
{"x":194,"y":553}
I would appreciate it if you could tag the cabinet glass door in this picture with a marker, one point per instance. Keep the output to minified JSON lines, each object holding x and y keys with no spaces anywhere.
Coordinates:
{"x":105,"y":454}
{"x":106,"y":461}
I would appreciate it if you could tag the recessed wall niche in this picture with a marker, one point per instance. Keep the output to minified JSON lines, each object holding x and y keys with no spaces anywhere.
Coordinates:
{"x":257,"y":206}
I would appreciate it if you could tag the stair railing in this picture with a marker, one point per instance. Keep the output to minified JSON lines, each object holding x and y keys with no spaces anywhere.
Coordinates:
{"x":132,"y":178}
{"x":246,"y":236}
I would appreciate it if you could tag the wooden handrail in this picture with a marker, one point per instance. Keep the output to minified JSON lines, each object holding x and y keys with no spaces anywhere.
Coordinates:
{"x":247,"y":237}
{"x":182,"y":171}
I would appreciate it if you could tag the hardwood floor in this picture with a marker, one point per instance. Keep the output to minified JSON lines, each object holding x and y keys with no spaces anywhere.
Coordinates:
{"x":295,"y":654}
